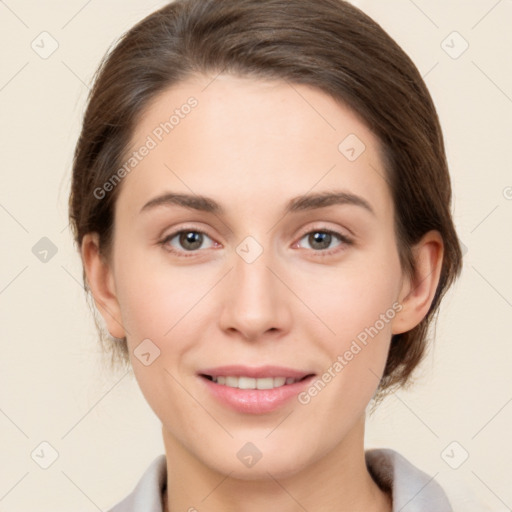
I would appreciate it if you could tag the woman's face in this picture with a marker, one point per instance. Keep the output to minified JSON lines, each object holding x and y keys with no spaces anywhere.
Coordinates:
{"x":254,"y":240}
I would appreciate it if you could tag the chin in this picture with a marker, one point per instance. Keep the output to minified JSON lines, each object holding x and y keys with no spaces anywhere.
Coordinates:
{"x":248,"y":462}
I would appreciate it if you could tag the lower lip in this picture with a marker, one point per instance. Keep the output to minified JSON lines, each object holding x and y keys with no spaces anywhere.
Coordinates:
{"x":255,"y":401}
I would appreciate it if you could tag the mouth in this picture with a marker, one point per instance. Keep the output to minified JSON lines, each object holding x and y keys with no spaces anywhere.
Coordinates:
{"x":244,"y":382}
{"x":254,"y":390}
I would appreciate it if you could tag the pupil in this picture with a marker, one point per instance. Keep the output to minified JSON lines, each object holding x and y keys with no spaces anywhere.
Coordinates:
{"x":320,"y":240}
{"x":191,"y":240}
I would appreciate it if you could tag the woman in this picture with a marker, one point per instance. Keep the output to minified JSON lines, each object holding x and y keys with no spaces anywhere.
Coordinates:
{"x":261,"y":201}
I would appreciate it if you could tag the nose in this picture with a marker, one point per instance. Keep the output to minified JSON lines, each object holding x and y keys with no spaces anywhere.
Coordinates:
{"x":255,"y":303}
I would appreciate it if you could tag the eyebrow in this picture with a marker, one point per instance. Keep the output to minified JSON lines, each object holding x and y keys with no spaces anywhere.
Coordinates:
{"x":300,"y":203}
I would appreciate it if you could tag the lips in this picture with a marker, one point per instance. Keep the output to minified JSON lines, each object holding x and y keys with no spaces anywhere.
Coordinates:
{"x":254,"y":390}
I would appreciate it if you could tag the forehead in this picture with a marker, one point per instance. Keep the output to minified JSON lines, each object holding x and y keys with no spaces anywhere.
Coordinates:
{"x":221,"y":135}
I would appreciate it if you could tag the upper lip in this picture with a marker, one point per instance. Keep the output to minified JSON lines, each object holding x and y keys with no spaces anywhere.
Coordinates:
{"x":255,"y":372}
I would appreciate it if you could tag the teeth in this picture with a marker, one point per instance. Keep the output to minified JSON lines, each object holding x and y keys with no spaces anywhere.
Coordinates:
{"x":246,"y":383}
{"x":279,"y":381}
{"x":252,"y":383}
{"x":232,"y":382}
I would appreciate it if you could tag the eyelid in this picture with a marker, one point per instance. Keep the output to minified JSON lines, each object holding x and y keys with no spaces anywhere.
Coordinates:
{"x":345,"y":240}
{"x":164,"y":240}
{"x":322,"y":227}
{"x":184,"y":227}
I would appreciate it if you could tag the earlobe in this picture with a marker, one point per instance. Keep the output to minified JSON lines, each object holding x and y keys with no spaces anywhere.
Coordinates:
{"x":101,"y":283}
{"x":418,"y":291}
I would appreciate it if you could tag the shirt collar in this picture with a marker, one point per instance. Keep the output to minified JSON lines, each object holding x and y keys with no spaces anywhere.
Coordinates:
{"x":412,"y":490}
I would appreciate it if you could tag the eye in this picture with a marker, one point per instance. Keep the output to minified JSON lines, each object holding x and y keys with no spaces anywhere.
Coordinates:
{"x":323,"y":240}
{"x":187,"y":240}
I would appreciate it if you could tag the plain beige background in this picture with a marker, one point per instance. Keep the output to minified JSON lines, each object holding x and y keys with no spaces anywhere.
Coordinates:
{"x":54,"y":387}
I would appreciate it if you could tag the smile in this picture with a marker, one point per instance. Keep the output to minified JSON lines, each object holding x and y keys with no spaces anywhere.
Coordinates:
{"x":254,"y":390}
{"x":244,"y":382}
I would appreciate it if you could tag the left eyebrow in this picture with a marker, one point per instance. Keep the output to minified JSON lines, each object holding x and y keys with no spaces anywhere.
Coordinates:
{"x":300,"y":203}
{"x":324,"y":199}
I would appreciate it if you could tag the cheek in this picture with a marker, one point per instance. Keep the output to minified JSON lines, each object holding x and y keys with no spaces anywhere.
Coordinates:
{"x":163,"y":305}
{"x":358,"y":305}
{"x":354,"y":298}
{"x":156,"y":299}
{"x":362,"y":336}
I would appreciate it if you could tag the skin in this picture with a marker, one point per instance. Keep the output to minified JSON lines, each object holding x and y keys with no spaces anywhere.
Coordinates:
{"x":252,"y":146}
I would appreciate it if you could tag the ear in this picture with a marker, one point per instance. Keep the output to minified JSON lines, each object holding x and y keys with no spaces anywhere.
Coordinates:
{"x":101,"y":283}
{"x":417,"y":292}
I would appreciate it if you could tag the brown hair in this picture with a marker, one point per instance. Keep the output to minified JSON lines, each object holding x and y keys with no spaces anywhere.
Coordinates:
{"x":328,"y":44}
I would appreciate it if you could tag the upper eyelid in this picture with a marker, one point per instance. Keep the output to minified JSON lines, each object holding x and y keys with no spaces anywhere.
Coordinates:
{"x":205,"y":232}
{"x":343,"y":238}
{"x":195,"y":229}
{"x":326,"y":229}
{"x":174,"y":234}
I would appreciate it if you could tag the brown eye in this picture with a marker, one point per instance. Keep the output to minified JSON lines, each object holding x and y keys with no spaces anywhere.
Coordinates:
{"x":319,"y":240}
{"x":191,"y":240}
{"x":324,"y":241}
{"x":188,"y":241}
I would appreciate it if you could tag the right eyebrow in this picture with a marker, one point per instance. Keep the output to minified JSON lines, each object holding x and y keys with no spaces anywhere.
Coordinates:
{"x":195,"y":202}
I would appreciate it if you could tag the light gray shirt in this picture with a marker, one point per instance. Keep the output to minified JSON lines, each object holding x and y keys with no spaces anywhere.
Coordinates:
{"x":412,"y":490}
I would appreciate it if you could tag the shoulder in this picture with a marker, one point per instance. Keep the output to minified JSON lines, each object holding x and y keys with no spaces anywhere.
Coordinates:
{"x":412,"y":489}
{"x":147,"y":495}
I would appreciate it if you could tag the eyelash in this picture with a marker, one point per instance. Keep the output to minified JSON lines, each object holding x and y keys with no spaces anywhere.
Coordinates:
{"x":343,"y":239}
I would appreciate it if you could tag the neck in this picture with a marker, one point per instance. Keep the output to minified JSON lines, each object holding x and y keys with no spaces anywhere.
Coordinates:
{"x":338,"y":481}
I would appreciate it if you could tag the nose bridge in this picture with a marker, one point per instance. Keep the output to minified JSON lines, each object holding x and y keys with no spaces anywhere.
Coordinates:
{"x":256,"y":301}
